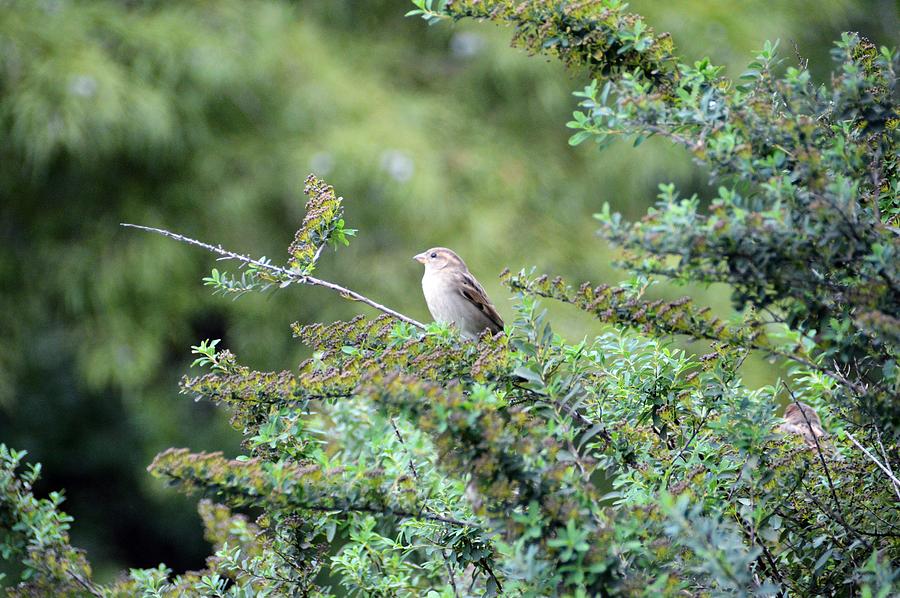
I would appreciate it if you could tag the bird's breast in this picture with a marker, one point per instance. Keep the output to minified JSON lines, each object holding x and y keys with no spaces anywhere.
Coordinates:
{"x":447,"y":304}
{"x":444,"y":302}
{"x":444,"y":299}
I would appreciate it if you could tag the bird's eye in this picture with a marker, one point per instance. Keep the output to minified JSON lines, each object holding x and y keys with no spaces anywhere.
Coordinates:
{"x":434,"y":254}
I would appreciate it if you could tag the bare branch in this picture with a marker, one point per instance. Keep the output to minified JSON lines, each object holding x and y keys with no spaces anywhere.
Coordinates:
{"x":893,"y":478}
{"x":887,"y":461}
{"x":284,"y":273}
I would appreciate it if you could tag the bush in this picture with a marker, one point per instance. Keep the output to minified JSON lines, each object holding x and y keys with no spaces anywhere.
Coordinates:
{"x":402,"y":460}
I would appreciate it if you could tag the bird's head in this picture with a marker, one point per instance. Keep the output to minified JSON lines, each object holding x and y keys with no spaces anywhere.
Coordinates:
{"x":795,"y":414}
{"x":439,"y":258}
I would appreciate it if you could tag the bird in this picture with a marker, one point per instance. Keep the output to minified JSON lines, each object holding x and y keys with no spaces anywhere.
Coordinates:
{"x":454,"y":296}
{"x":801,"y":419}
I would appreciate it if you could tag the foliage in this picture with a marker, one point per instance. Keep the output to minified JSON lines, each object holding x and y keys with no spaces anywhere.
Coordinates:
{"x":204,"y":117}
{"x":36,"y":532}
{"x":400,"y":460}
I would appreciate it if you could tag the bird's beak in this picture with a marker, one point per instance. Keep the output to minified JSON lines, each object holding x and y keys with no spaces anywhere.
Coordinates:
{"x":420,"y":257}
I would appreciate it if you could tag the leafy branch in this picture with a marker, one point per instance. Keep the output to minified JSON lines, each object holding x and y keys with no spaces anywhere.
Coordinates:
{"x":323,"y":225}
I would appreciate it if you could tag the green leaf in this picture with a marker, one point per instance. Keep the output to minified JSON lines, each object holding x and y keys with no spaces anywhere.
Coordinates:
{"x":579,"y":137}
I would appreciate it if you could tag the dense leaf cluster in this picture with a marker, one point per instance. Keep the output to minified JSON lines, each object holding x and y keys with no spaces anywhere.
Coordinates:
{"x":600,"y":35}
{"x":402,"y":460}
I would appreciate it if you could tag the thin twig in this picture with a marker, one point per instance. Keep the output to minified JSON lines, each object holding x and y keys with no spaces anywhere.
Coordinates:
{"x":815,"y":438}
{"x":282,"y":272}
{"x":837,"y":503}
{"x":769,"y":562}
{"x":89,"y":587}
{"x":287,"y":559}
{"x":412,"y":466}
{"x":858,"y":534}
{"x":691,"y":439}
{"x":250,"y":573}
{"x":450,"y":573}
{"x":887,"y":461}
{"x":577,"y":417}
{"x":851,"y":226}
{"x":801,"y":62}
{"x":415,"y":473}
{"x":389,"y":512}
{"x":895,"y":481}
{"x":486,"y":567}
{"x":737,"y":480}
{"x":315,"y":259}
{"x":87,"y":584}
{"x":882,"y":520}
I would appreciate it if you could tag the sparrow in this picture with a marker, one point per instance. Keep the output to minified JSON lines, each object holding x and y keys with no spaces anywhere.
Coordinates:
{"x":454,"y":296}
{"x":808,"y":427}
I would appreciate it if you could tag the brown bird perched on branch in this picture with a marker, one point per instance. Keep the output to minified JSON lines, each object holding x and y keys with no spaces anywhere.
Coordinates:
{"x":454,"y":296}
{"x":808,"y":427}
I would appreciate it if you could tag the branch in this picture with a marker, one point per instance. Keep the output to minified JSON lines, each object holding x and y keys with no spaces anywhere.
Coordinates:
{"x":837,"y":503}
{"x":450,"y":574}
{"x":89,"y":587}
{"x":577,"y":417}
{"x":887,"y":461}
{"x":284,"y":273}
{"x":893,"y":478}
{"x":412,"y":465}
{"x":390,"y":512}
{"x":87,"y":584}
{"x":769,"y":558}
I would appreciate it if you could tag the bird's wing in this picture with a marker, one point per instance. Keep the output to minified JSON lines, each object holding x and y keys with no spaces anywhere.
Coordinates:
{"x":472,"y":291}
{"x":803,"y":430}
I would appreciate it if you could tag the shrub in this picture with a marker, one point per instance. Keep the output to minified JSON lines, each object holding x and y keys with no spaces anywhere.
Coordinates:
{"x":402,"y":460}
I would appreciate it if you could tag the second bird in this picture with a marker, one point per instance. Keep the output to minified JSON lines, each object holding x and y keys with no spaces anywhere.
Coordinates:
{"x":454,"y":296}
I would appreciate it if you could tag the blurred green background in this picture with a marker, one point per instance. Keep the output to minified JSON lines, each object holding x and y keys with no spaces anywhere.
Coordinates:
{"x":204,"y":117}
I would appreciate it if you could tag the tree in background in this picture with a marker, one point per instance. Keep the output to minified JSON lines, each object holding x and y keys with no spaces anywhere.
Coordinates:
{"x":803,"y":230}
